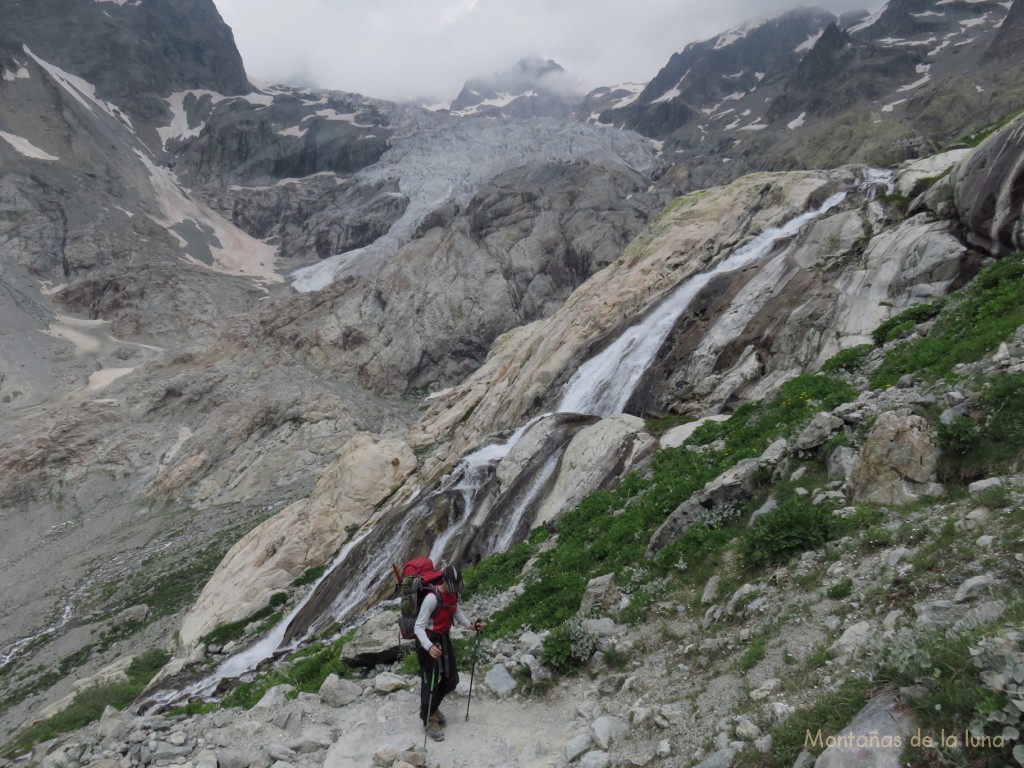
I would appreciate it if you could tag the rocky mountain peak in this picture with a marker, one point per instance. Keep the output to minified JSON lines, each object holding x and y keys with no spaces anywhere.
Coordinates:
{"x":532,"y":87}
{"x":133,"y":53}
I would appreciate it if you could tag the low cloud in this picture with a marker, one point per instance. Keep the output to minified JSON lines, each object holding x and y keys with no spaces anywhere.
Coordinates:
{"x":397,"y":49}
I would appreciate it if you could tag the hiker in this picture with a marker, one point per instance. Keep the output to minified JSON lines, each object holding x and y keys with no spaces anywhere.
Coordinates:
{"x":434,"y":648}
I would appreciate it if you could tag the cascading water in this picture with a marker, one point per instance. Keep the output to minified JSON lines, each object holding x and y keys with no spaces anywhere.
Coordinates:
{"x":603,"y":385}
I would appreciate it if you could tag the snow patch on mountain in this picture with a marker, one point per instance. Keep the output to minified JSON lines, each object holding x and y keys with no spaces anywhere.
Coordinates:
{"x":20,"y":74}
{"x":212,"y":241}
{"x":25,"y":147}
{"x":868,"y":22}
{"x":178,"y":128}
{"x":81,"y":90}
{"x":809,"y":43}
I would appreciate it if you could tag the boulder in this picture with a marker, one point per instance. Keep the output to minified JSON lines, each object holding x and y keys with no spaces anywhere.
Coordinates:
{"x":872,"y":740}
{"x":336,"y":692}
{"x":607,"y":729}
{"x":578,"y":745}
{"x":853,"y":638}
{"x":818,"y":431}
{"x":939,"y":613}
{"x":601,"y":596}
{"x":386,"y":682}
{"x":973,"y":587}
{"x":897,"y":463}
{"x":375,"y":642}
{"x":596,"y":455}
{"x":500,"y":682}
{"x":736,"y":483}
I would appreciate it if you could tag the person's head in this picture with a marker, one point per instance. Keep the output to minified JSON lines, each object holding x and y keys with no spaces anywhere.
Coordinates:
{"x":451,"y":577}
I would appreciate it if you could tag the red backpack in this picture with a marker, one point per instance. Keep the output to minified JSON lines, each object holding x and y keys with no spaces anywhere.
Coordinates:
{"x":415,"y":580}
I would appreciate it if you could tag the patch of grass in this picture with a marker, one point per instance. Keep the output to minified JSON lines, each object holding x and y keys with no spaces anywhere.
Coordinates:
{"x":906,"y":320}
{"x":830,"y":715}
{"x":236,"y":629}
{"x":310,"y":575}
{"x":840,"y":590}
{"x":975,"y":139}
{"x":503,"y":570}
{"x":992,"y":440}
{"x":753,"y":654}
{"x":794,"y":526}
{"x":876,"y":537}
{"x":616,"y":659}
{"x":306,"y":670}
{"x":849,"y":360}
{"x":969,"y":326}
{"x":89,"y":704}
{"x":658,"y":426}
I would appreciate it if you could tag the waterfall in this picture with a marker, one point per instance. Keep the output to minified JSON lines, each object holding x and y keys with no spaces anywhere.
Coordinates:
{"x":603,"y":385}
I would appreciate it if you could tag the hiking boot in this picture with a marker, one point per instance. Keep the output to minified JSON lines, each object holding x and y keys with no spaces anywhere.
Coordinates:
{"x":434,"y":729}
{"x":441,"y":719}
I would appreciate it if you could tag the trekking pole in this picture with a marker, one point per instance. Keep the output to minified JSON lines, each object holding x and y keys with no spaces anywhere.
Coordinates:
{"x":430,"y":704}
{"x":476,"y":653}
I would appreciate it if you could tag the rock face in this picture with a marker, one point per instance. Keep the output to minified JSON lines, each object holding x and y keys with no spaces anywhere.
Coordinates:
{"x":988,"y":190}
{"x":898,"y":460}
{"x":133,"y":53}
{"x":302,"y":536}
{"x":525,"y":240}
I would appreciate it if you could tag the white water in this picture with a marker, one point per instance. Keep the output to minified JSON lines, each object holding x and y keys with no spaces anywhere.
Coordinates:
{"x":246,"y":661}
{"x":512,"y":521}
{"x":603,"y":385}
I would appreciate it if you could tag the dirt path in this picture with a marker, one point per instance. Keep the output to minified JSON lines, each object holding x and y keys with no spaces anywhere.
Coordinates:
{"x":506,"y":732}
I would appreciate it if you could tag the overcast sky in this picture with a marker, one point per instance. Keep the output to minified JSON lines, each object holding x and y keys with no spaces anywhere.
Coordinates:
{"x":403,"y":49}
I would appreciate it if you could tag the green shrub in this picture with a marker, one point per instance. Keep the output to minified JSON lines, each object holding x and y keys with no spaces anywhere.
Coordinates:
{"x":568,"y":646}
{"x":906,"y":320}
{"x":310,"y":575}
{"x":225,"y":633}
{"x":840,"y":590}
{"x":305,"y":670}
{"x":793,"y":526}
{"x":848,"y":360}
{"x":753,"y":654}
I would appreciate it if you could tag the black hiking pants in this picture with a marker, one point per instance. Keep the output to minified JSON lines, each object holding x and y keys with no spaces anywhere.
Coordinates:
{"x":438,"y":677}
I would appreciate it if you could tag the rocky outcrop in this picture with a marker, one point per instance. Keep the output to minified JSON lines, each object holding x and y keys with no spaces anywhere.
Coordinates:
{"x":525,"y":241}
{"x":989,"y":190}
{"x":532,"y":88}
{"x":306,"y":534}
{"x":598,"y":456}
{"x":898,"y":461}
